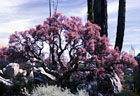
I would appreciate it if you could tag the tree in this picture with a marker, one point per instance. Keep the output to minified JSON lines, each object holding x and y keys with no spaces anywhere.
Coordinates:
{"x":100,"y":15}
{"x":121,"y":24}
{"x":72,"y":50}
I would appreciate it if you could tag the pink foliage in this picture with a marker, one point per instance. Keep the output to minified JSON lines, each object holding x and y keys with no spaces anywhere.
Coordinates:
{"x":70,"y":39}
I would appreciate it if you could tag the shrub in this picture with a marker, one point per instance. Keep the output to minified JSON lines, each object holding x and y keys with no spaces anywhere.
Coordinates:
{"x":9,"y":55}
{"x":128,"y":93}
{"x":55,"y":91}
{"x":3,"y":57}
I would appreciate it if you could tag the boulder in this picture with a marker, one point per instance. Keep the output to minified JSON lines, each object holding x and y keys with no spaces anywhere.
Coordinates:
{"x":5,"y":84}
{"x":1,"y":73}
{"x":116,"y":83}
{"x":43,"y":77}
{"x":41,"y":71}
{"x":22,"y":72}
{"x":11,"y":70}
{"x":31,"y":74}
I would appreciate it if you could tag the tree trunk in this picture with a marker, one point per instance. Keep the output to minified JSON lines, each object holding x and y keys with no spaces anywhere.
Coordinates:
{"x":121,"y":24}
{"x":100,"y":15}
{"x":90,"y":10}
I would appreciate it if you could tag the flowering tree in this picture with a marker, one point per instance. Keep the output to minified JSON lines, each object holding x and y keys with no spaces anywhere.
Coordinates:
{"x":65,"y":47}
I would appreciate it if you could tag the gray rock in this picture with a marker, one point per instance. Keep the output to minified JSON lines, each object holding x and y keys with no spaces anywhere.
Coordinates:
{"x":99,"y":94}
{"x":5,"y":82}
{"x":31,"y":74}
{"x":41,"y":71}
{"x":115,"y":82}
{"x":22,"y":72}
{"x":5,"y":85}
{"x":1,"y":73}
{"x":11,"y":70}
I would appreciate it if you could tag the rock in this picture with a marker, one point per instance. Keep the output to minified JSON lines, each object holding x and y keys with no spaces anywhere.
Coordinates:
{"x":1,"y":73}
{"x":42,"y":77}
{"x":31,"y":74}
{"x":5,"y":84}
{"x":99,"y":94}
{"x":22,"y":72}
{"x":115,"y":82}
{"x":41,"y":71}
{"x":11,"y":70}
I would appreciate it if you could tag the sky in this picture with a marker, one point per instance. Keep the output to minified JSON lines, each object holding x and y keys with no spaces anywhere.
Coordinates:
{"x":20,"y":15}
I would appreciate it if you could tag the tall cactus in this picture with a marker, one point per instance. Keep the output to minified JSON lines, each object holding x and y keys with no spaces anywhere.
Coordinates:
{"x":90,"y":11}
{"x":121,"y":24}
{"x":100,"y":15}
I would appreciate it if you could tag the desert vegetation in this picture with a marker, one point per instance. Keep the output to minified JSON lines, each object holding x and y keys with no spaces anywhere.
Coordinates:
{"x":66,"y":53}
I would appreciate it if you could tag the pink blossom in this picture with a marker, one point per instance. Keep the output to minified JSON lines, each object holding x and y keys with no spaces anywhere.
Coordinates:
{"x":82,"y":42}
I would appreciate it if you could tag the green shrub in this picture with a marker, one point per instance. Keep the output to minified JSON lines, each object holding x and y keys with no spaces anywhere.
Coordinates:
{"x":128,"y":93}
{"x":55,"y":91}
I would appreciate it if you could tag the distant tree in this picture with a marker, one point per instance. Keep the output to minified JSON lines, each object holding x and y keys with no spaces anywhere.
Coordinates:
{"x":100,"y":15}
{"x":73,"y":50}
{"x":121,"y":24}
